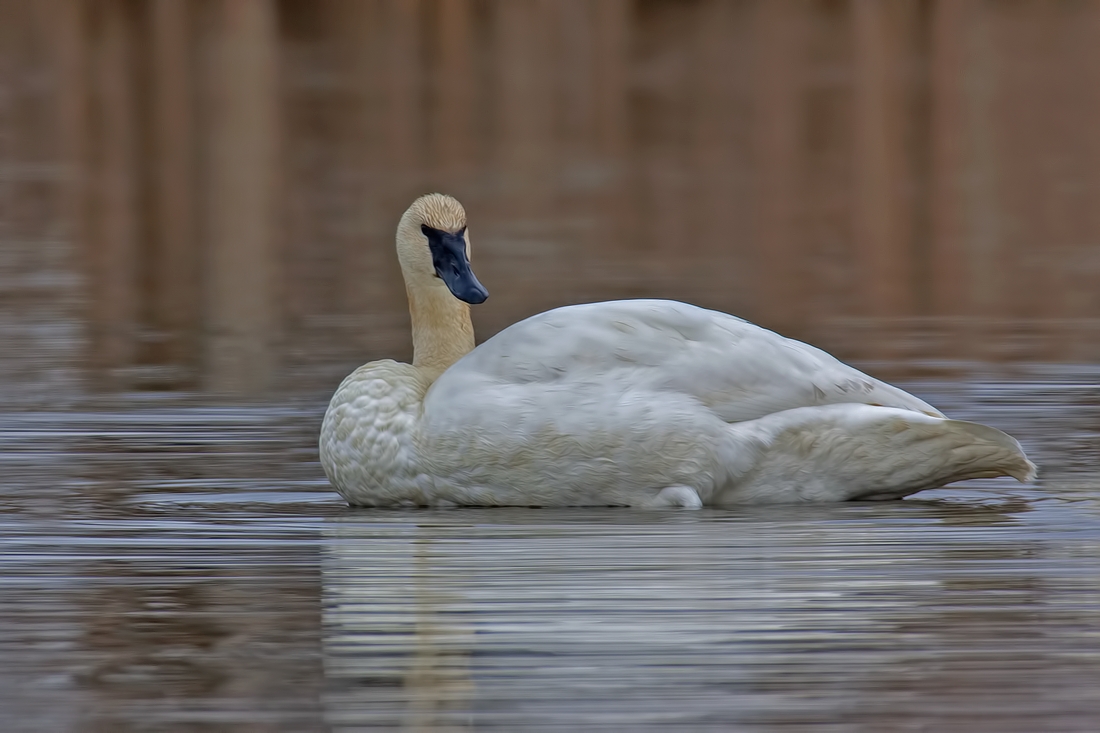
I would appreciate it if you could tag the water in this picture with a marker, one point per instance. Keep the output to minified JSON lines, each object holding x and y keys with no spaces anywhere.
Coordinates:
{"x":170,"y":566}
{"x":841,"y":172}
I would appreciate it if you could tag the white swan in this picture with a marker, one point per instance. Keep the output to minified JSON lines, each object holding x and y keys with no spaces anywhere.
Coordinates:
{"x":638,"y":402}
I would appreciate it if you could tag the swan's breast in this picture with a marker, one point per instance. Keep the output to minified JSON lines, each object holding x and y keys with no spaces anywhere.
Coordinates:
{"x":367,"y":442}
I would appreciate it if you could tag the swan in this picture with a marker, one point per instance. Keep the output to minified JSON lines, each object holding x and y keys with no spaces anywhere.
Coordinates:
{"x":651,"y":403}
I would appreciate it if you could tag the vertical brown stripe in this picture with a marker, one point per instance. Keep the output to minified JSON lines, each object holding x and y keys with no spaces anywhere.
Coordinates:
{"x":175,"y":295}
{"x":883,"y":227}
{"x":776,"y":141}
{"x":242,"y":304}
{"x":113,"y":191}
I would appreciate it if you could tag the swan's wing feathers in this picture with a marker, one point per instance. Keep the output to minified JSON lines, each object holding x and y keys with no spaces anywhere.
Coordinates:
{"x":737,"y":369}
{"x":849,"y":451}
{"x":759,"y":373}
{"x":588,"y":340}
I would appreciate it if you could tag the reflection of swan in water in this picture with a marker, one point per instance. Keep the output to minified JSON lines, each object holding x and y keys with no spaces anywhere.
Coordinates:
{"x":543,"y":620}
{"x":438,"y":680}
{"x":388,"y":645}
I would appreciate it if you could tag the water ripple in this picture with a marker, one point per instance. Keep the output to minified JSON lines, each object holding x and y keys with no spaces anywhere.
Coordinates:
{"x":187,"y":568}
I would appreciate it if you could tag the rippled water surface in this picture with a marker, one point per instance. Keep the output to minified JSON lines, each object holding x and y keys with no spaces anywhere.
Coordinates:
{"x":169,"y":566}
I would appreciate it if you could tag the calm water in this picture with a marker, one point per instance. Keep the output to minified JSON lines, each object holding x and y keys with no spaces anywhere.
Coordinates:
{"x":170,"y":566}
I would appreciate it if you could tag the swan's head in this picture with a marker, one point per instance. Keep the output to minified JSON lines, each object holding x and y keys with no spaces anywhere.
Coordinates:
{"x":434,"y":248}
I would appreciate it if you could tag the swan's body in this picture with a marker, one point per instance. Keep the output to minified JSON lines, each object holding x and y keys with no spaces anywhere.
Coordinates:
{"x":644,"y":402}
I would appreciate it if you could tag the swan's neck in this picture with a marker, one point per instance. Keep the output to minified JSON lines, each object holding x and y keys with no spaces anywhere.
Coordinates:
{"x":441,"y":329}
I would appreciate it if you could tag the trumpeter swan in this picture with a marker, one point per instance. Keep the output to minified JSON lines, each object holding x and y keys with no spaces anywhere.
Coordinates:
{"x":636,"y":402}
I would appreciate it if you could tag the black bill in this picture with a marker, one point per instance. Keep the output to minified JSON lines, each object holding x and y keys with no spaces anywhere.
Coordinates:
{"x":452,"y":265}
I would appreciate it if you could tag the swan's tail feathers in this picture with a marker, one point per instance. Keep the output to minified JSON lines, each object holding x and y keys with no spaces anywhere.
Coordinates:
{"x":843,"y":452}
{"x":994,"y":451}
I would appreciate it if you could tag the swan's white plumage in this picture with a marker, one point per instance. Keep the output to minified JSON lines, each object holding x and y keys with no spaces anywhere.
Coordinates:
{"x":368,"y":434}
{"x":738,"y":370}
{"x":644,"y":403}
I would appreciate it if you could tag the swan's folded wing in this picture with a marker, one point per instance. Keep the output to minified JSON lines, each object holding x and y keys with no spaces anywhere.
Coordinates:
{"x":737,"y":369}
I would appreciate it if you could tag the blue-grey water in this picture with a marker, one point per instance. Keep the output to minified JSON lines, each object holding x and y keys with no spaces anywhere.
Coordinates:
{"x":168,"y":566}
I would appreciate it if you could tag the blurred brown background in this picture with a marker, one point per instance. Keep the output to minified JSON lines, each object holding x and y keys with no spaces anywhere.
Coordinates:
{"x":202,"y":194}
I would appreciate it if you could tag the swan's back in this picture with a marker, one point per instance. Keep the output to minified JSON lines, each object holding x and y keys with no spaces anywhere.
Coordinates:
{"x":738,"y":370}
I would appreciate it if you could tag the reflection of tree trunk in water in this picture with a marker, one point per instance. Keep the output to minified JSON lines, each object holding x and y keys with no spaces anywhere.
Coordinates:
{"x":777,"y":166}
{"x":883,"y":225}
{"x":242,"y":169}
{"x":173,"y":285}
{"x":112,"y":194}
{"x":438,"y":680}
